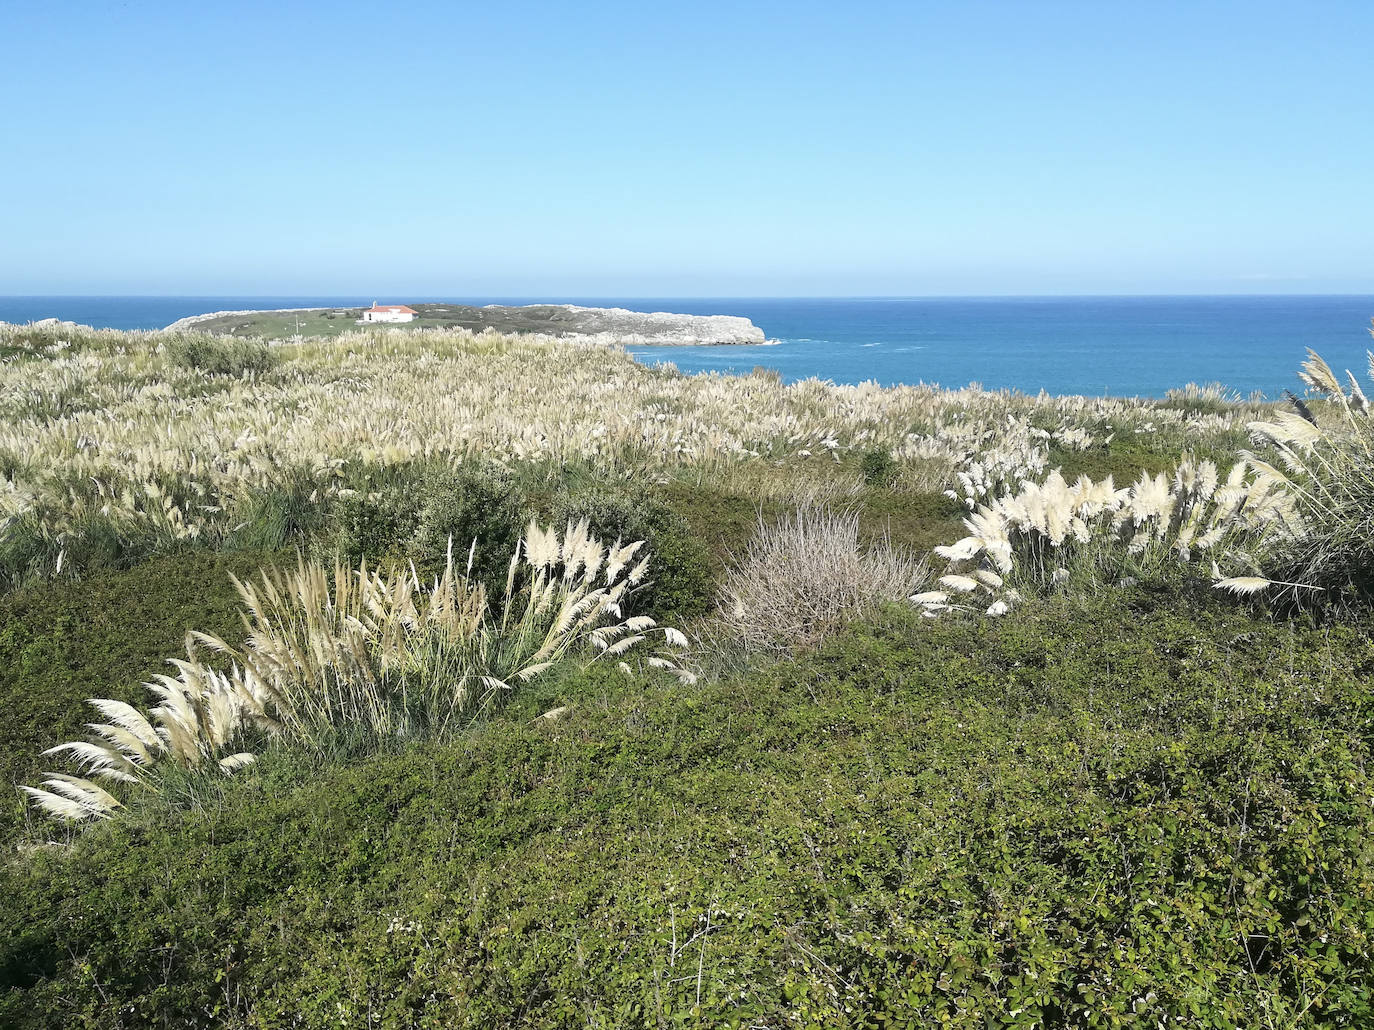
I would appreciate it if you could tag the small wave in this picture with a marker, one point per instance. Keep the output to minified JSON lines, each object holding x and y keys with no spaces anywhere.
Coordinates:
{"x":870,"y":345}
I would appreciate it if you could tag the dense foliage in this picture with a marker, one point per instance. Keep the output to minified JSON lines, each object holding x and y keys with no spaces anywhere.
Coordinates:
{"x":220,"y":355}
{"x":1031,"y":822}
{"x":62,"y":644}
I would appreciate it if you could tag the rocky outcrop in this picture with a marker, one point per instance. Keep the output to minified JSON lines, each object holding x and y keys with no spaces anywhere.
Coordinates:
{"x":46,"y":323}
{"x":657,"y":328}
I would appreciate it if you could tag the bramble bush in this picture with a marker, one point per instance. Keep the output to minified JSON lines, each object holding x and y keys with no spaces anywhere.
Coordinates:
{"x":469,"y":504}
{"x":1107,"y":815}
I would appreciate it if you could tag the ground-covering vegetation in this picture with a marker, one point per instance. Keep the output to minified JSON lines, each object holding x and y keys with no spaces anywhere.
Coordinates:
{"x":529,"y":686}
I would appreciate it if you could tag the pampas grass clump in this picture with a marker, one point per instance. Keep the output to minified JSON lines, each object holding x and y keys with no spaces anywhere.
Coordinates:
{"x":1047,"y":535}
{"x":200,"y":716}
{"x":1325,"y":463}
{"x":806,"y":575}
{"x":361,"y":650}
{"x":383,"y":651}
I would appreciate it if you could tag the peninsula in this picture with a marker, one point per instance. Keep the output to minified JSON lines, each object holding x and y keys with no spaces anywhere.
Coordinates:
{"x":658,"y":328}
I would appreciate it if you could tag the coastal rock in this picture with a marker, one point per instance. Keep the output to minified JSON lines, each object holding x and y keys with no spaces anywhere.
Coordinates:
{"x":46,"y":323}
{"x":656,"y":328}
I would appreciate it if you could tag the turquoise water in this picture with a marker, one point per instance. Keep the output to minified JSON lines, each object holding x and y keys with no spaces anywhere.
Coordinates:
{"x":1093,"y":345}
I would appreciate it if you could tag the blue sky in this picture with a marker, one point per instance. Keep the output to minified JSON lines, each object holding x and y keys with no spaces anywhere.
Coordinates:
{"x":694,"y":149}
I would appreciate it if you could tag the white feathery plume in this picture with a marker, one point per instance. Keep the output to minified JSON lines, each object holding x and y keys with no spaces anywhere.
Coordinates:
{"x":233,"y":763}
{"x":963,"y":584}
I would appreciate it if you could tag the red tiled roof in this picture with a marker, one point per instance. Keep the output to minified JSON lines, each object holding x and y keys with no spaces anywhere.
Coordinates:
{"x":392,"y":307}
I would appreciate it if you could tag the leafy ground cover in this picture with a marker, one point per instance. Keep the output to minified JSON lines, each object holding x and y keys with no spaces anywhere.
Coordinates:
{"x":62,"y":644}
{"x":1035,"y":822}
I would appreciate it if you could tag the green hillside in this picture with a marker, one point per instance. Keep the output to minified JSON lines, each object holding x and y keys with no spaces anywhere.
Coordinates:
{"x":893,"y":720}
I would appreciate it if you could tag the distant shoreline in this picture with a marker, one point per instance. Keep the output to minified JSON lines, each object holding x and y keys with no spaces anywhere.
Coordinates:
{"x":632,"y":328}
{"x":1118,"y":346}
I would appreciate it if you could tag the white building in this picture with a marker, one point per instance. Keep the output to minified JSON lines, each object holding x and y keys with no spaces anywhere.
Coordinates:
{"x":388,"y":313}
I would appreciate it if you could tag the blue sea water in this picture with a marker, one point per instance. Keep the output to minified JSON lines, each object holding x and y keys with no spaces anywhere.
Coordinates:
{"x":1092,"y":345}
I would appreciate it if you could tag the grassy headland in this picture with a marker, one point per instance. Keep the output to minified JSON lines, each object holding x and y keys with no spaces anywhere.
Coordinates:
{"x":1129,"y":799}
{"x":548,"y":319}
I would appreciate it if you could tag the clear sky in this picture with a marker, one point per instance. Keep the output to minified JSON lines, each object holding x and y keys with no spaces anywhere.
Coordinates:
{"x":687,"y":149}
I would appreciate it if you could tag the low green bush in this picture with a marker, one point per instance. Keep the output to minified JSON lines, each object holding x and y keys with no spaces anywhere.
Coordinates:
{"x":1118,"y":815}
{"x":681,"y":583}
{"x":918,"y":521}
{"x":878,"y":467}
{"x":220,"y":355}
{"x":1124,"y":460}
{"x":374,"y":525}
{"x":723,"y":521}
{"x":473,"y":503}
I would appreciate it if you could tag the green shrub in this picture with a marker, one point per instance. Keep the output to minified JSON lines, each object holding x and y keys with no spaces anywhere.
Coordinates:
{"x":374,"y":525}
{"x":681,"y":582}
{"x":471,"y":504}
{"x":917,"y":521}
{"x":879,"y":468}
{"x":723,"y":520}
{"x":220,"y":355}
{"x":1124,"y":460}
{"x":1089,"y":816}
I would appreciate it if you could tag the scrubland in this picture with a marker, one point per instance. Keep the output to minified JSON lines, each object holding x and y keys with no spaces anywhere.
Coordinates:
{"x":432,"y":679}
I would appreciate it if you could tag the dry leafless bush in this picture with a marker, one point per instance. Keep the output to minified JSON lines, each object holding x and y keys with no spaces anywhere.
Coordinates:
{"x":808,"y":574}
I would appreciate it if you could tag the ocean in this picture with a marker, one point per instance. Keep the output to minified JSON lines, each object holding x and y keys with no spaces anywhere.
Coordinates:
{"x":1121,"y":346}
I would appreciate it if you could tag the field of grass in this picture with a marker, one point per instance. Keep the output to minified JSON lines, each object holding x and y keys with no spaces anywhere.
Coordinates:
{"x":916,"y":708}
{"x":280,"y":325}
